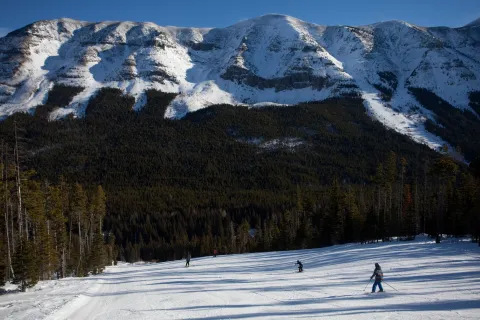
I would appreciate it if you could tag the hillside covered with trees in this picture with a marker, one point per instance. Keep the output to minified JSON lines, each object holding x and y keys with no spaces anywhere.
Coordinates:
{"x":133,"y":185}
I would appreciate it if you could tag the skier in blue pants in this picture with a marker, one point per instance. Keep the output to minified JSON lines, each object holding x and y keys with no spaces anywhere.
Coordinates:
{"x":300,"y":266}
{"x":378,"y":274}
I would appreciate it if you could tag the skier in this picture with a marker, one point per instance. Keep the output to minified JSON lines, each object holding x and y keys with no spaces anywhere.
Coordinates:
{"x":378,"y":274}
{"x":189,"y":256}
{"x":300,"y":266}
{"x":214,"y":253}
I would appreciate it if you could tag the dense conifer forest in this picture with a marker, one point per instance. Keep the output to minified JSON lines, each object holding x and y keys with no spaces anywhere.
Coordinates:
{"x":79,"y":193}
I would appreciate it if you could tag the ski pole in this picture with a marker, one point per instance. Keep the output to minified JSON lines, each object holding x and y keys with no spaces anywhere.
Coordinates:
{"x":367,"y":284}
{"x":390,"y":286}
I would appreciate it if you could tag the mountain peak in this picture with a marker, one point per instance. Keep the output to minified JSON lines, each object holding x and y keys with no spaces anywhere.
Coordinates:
{"x":474,"y":23}
{"x":274,"y":18}
{"x":273,"y":58}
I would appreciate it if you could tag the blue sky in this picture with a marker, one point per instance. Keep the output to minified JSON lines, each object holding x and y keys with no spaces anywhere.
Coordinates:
{"x":221,"y":13}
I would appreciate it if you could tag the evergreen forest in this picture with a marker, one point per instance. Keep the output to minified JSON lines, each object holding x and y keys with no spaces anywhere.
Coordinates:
{"x":81,"y":193}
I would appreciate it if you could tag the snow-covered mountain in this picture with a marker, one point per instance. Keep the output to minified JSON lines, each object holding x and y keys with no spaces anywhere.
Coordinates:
{"x":273,"y":59}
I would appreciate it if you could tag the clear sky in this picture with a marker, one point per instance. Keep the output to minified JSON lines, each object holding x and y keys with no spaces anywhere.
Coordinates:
{"x":221,"y":13}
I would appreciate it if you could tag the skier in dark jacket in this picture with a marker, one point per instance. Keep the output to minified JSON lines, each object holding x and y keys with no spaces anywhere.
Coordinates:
{"x":378,"y":274}
{"x":300,"y":266}
{"x":187,"y":264}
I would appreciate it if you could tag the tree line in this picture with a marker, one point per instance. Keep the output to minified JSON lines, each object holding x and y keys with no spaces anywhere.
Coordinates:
{"x":216,"y":178}
{"x":49,"y":231}
{"x":440,"y":200}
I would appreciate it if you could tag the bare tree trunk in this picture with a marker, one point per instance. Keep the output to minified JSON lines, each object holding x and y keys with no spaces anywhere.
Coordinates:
{"x":91,"y":232}
{"x":425,"y":197}
{"x":79,"y":243}
{"x":70,"y":238}
{"x":26,"y":224}
{"x":49,"y":264}
{"x":5,"y":180}
{"x":385,"y":226}
{"x":8,"y":242}
{"x":19,"y":189}
{"x":416,"y":204}
{"x":63,"y":263}
{"x":11,"y":224}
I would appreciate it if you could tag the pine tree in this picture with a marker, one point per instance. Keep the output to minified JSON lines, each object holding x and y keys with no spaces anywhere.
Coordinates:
{"x":26,"y":265}
{"x":56,"y":227}
{"x":112,"y":250}
{"x":333,"y":229}
{"x":382,"y":221}
{"x":288,"y":230}
{"x":243,"y":236}
{"x":353,"y":220}
{"x":444,"y":171}
{"x":98,"y":255}
{"x":266,"y":236}
{"x":78,"y":209}
{"x":409,"y":218}
{"x":305,"y":231}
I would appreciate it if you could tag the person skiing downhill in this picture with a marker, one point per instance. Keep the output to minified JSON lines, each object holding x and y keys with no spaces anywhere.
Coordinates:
{"x":189,"y":256}
{"x":300,"y":266}
{"x":378,"y":274}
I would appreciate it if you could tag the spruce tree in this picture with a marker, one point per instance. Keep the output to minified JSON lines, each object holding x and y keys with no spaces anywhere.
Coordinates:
{"x":26,"y":265}
{"x":78,"y":209}
{"x":409,"y":218}
{"x":57,"y":228}
{"x":98,"y":255}
{"x":335,"y":218}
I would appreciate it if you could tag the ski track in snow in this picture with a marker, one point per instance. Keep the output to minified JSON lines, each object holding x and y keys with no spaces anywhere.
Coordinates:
{"x":433,"y":282}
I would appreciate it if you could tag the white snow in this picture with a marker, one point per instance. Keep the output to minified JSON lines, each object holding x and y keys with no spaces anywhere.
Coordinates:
{"x":135,"y":57}
{"x":434,"y":281}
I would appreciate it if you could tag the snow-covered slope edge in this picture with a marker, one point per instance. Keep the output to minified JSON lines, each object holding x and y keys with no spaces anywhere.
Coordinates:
{"x":270,"y":59}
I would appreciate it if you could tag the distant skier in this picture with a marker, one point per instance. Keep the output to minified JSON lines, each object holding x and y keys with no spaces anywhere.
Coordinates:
{"x":189,"y":256}
{"x":214,"y":253}
{"x":378,"y":274}
{"x":300,"y":266}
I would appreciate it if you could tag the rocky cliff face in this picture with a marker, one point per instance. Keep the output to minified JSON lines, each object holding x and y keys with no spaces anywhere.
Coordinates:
{"x":270,"y":59}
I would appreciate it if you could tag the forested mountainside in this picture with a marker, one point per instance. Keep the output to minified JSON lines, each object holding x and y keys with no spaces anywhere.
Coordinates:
{"x":228,"y":177}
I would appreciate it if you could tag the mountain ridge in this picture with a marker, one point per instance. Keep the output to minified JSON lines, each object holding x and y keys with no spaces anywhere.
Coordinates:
{"x":271,"y":59}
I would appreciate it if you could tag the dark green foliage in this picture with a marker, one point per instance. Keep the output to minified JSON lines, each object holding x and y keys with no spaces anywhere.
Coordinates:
{"x":97,"y":258}
{"x":457,"y":127}
{"x":61,"y":95}
{"x":109,"y":103}
{"x":389,"y":78}
{"x":475,"y":101}
{"x":386,"y":93}
{"x":26,"y":265}
{"x":201,"y":182}
{"x":157,"y":104}
{"x":38,"y":217}
{"x":388,"y":85}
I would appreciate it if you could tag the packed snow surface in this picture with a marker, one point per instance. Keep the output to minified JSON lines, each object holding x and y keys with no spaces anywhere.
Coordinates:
{"x":434,"y":281}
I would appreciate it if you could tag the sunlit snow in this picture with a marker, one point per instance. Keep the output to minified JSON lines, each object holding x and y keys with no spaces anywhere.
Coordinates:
{"x":433,"y":281}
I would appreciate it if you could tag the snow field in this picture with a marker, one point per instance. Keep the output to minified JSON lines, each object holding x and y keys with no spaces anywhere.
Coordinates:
{"x":433,"y":282}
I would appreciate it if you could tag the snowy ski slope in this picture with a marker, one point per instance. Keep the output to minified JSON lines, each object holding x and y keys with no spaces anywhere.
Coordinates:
{"x":433,"y":282}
